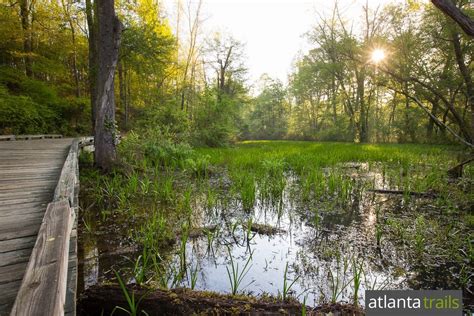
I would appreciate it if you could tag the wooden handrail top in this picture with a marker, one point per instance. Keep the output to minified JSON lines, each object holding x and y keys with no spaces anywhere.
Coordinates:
{"x":29,"y":137}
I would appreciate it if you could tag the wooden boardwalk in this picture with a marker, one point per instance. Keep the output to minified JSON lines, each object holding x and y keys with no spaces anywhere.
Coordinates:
{"x":29,"y":174}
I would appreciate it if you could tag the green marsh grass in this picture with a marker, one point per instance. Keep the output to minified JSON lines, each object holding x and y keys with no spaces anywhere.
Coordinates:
{"x":357,"y":273}
{"x":194,"y":277}
{"x":182,"y":249}
{"x":303,"y":307}
{"x":211,"y":235}
{"x":133,"y":304}
{"x":244,"y":186}
{"x":235,"y":275}
{"x":338,"y":281}
{"x":287,"y":285}
{"x":157,"y":186}
{"x":378,"y":234}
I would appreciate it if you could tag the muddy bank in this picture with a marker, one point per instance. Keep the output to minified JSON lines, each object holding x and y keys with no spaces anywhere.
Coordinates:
{"x":102,"y":300}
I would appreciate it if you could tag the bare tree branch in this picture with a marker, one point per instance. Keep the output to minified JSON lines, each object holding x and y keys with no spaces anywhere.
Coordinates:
{"x":438,"y":122}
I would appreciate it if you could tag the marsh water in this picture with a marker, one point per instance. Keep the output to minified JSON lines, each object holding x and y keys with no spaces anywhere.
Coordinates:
{"x":332,"y":250}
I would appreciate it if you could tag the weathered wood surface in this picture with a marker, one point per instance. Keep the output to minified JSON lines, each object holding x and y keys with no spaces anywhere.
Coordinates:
{"x":44,"y":285}
{"x":28,"y":137}
{"x":29,"y":173}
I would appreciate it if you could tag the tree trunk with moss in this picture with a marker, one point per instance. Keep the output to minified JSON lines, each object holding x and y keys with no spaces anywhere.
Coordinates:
{"x":109,"y":30}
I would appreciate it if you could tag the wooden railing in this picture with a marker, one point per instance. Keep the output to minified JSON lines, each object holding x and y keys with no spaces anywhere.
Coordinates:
{"x":46,"y":281}
{"x":28,"y":137}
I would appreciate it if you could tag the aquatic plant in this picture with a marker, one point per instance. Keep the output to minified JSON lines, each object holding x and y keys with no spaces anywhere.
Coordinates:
{"x":194,"y":276}
{"x":419,"y":236}
{"x":303,"y":307}
{"x":211,"y":235}
{"x":152,"y":233}
{"x":182,"y":248}
{"x":244,"y":185}
{"x":378,"y":234}
{"x":132,"y":303}
{"x":287,"y":286}
{"x":316,"y":217}
{"x":249,"y":235}
{"x":235,"y":275}
{"x":166,"y":192}
{"x":357,"y":272}
{"x":184,"y":203}
{"x":140,"y":267}
{"x":374,"y":285}
{"x":247,"y":193}
{"x":197,"y":165}
{"x":211,"y":198}
{"x":338,"y":282}
{"x":170,"y":276}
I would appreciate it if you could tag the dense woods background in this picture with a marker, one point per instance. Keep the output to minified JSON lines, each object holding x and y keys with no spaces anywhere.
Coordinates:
{"x":178,"y":81}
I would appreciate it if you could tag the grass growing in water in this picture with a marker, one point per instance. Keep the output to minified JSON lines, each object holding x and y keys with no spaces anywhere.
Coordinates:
{"x":235,"y":275}
{"x":158,"y":190}
{"x":132,"y":303}
{"x":286,"y":285}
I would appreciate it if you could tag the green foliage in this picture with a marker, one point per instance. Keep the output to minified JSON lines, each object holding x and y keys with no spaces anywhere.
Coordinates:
{"x":132,"y":303}
{"x":268,"y":113}
{"x":215,"y":123}
{"x":158,"y":149}
{"x":29,"y":106}
{"x":167,"y":119}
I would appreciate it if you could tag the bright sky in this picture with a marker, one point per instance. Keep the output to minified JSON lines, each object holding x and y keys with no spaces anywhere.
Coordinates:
{"x":272,"y":30}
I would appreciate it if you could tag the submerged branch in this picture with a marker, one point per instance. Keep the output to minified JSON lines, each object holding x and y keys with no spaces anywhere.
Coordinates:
{"x":401,"y":192}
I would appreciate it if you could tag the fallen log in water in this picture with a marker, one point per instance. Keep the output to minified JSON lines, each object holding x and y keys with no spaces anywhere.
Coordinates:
{"x":102,"y":300}
{"x":401,"y":192}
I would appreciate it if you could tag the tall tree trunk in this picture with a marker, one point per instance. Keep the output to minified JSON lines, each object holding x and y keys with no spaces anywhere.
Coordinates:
{"x":92,"y":28}
{"x":406,"y":132}
{"x":74,"y":59}
{"x":431,"y":122}
{"x":27,"y":36}
{"x":392,"y":116}
{"x":122,"y":88}
{"x":128,"y":98}
{"x":108,"y":42}
{"x":75,"y":72}
{"x":333,"y":99}
{"x":466,"y":75}
{"x":363,"y":126}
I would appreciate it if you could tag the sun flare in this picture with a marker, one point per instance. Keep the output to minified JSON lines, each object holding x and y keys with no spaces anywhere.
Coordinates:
{"x":378,"y":55}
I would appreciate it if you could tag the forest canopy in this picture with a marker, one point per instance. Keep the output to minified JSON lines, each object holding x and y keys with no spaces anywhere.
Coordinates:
{"x":192,"y":85}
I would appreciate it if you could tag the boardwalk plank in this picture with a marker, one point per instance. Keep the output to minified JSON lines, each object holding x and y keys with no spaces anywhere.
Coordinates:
{"x":27,"y":208}
{"x":9,"y":291}
{"x":12,"y":272}
{"x":17,"y":244}
{"x":29,"y":173}
{"x":13,"y":257}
